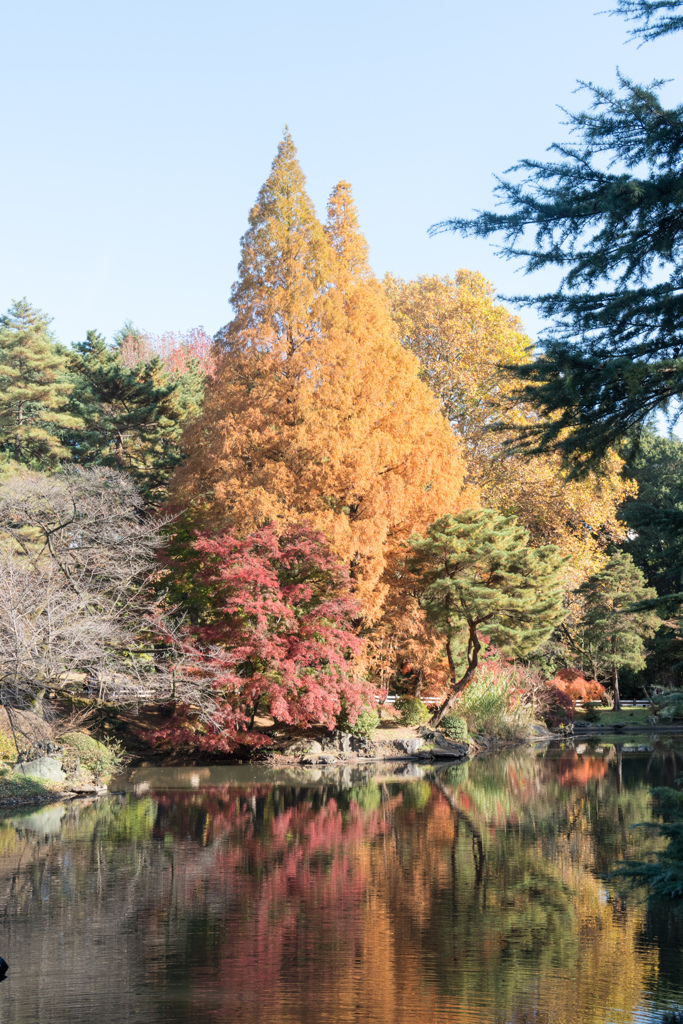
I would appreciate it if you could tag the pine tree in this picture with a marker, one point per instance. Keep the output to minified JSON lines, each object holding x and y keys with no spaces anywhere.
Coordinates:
{"x":654,"y":17}
{"x":614,"y":636}
{"x":316,"y":413}
{"x":34,"y":389}
{"x":131,"y":416}
{"x":480,"y":576}
{"x":606,"y":213}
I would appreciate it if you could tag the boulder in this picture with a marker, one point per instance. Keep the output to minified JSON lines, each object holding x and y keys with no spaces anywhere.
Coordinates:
{"x":449,"y":748}
{"x":301,"y":747}
{"x":345,"y":742}
{"x":319,"y":759}
{"x":411,"y":745}
{"x":49,"y":769}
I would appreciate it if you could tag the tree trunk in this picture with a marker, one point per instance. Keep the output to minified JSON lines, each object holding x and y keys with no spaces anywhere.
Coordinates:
{"x":615,"y":684}
{"x":36,"y":702}
{"x":473,"y":649}
{"x":254,"y":713}
{"x":17,"y":438}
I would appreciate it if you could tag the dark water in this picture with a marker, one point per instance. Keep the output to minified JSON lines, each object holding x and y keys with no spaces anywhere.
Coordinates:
{"x":475,"y":894}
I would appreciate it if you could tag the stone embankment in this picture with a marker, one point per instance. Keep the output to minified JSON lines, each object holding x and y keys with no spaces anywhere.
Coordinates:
{"x":49,"y":769}
{"x":340,"y":747}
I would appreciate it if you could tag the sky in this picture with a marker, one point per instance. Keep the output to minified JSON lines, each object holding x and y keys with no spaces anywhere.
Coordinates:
{"x":136,"y":135}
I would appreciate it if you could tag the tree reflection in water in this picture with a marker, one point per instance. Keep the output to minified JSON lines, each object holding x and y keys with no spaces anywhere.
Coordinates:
{"x":471,"y":894}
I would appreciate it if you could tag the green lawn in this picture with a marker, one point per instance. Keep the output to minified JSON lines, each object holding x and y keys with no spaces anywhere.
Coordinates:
{"x":627,"y":716}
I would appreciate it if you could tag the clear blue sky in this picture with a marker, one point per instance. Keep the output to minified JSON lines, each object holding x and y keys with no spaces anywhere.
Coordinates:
{"x":136,"y":134}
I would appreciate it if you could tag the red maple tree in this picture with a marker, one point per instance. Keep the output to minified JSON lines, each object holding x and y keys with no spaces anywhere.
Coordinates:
{"x":278,"y":636}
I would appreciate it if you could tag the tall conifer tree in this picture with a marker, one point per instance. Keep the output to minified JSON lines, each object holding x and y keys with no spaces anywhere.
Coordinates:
{"x":614,"y":635}
{"x":316,"y":412}
{"x":605,"y":213}
{"x":34,"y":389}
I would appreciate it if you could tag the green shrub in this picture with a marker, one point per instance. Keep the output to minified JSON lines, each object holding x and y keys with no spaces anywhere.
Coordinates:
{"x":413,"y":711}
{"x":491,"y":706}
{"x":101,"y":760}
{"x":455,"y":728}
{"x":364,"y":725}
{"x":591,"y":714}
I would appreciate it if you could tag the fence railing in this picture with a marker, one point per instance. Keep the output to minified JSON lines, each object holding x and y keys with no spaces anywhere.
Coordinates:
{"x":624,"y":703}
{"x":393,"y":697}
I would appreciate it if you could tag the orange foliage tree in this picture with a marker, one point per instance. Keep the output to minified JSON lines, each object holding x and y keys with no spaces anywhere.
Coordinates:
{"x":577,"y":686}
{"x":464,"y":340}
{"x":316,"y":412}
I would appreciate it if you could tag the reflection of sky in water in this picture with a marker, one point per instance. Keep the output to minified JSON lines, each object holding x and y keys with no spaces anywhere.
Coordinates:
{"x":467,"y":894}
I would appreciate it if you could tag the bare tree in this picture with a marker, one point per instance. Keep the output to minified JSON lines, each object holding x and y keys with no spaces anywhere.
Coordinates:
{"x":77,"y":564}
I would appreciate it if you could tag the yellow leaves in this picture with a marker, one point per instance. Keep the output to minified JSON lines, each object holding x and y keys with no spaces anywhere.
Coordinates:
{"x":466,"y":343}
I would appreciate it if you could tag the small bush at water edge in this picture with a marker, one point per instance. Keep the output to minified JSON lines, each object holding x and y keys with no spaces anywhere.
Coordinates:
{"x":455,"y":728}
{"x":364,"y":725}
{"x":492,"y":705}
{"x":413,"y":711}
{"x":101,"y":760}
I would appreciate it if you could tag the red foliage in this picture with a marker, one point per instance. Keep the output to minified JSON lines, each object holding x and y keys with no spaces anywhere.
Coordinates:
{"x":281,"y":638}
{"x":577,"y":687}
{"x":556,"y":706}
{"x":177,"y":350}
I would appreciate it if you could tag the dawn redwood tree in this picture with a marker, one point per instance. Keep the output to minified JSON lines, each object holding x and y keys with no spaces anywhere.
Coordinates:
{"x":480,"y":577}
{"x":278,"y":637}
{"x":606,"y":213}
{"x":613,"y":634}
{"x":34,"y":389}
{"x":316,"y":412}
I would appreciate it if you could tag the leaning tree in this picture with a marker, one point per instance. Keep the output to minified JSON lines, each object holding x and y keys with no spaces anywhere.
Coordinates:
{"x":480,"y":577}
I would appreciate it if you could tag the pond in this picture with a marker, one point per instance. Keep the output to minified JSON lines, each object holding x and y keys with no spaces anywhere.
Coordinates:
{"x":470,"y":894}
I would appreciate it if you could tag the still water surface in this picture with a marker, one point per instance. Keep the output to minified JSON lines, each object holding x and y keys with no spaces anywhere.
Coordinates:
{"x":475,"y":894}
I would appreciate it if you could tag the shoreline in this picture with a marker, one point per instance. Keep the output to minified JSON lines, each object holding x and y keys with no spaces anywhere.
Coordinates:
{"x":37,"y":794}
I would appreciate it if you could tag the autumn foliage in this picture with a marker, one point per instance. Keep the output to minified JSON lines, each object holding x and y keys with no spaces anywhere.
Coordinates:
{"x":468,"y":344}
{"x":279,"y":636}
{"x":316,"y":412}
{"x":577,"y":687}
{"x":178,"y":350}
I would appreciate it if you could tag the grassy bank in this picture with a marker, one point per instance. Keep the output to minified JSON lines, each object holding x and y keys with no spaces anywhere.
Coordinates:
{"x":16,"y":790}
{"x":607,"y":717}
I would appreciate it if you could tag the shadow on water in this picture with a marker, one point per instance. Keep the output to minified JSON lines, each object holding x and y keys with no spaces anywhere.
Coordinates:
{"x":474,"y":893}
